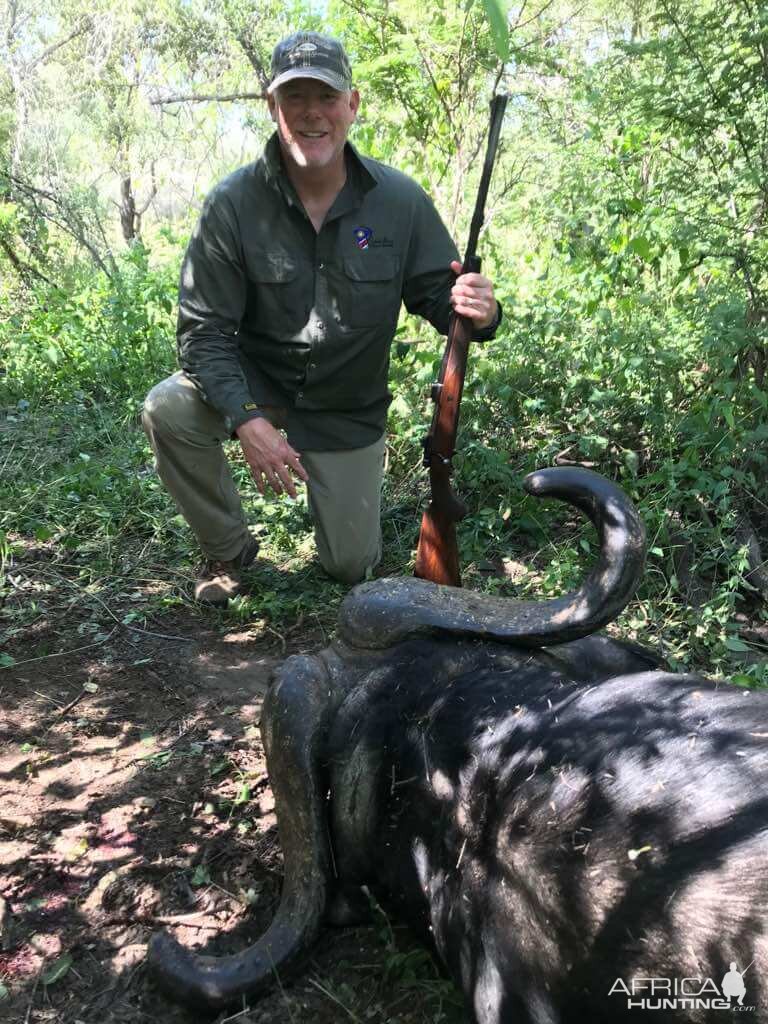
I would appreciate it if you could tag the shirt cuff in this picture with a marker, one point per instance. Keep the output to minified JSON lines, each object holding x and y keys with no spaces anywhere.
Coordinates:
{"x":242,"y":415}
{"x":489,"y":332}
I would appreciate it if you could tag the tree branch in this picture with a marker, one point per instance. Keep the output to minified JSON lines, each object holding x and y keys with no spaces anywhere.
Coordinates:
{"x":43,"y":57}
{"x":67,"y":220}
{"x":207,"y":98}
{"x":24,"y":270}
{"x":696,"y":56}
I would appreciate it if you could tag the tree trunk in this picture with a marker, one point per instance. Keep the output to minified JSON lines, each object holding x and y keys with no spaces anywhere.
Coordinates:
{"x":128,"y":216}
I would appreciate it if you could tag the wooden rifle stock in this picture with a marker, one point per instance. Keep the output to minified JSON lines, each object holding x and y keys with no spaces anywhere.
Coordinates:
{"x":437,"y":554}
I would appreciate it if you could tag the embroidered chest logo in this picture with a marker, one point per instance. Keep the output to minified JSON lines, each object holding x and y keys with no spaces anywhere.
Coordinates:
{"x":363,"y":237}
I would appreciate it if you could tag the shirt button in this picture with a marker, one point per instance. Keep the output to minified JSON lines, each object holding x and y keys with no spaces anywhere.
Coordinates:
{"x":313,"y":366}
{"x":321,"y":266}
{"x":300,"y":394}
{"x":320,"y":324}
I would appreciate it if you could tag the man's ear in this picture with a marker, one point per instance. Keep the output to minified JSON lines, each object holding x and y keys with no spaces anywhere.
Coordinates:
{"x":272,"y":104}
{"x":354,"y":102}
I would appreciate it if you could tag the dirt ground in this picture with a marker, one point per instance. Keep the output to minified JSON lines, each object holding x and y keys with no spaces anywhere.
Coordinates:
{"x":134,"y":797}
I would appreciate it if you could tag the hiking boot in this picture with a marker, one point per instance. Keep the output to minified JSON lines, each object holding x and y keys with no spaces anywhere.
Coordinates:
{"x":220,"y":580}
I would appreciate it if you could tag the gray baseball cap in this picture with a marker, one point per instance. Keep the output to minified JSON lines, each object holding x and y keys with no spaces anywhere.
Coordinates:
{"x":310,"y":55}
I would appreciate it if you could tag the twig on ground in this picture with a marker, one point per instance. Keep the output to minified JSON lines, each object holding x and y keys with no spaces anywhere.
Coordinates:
{"x":108,"y":610}
{"x":28,"y":1015}
{"x":8,"y":458}
{"x":329,"y":995}
{"x":185,"y":732}
{"x":76,"y":700}
{"x":45,"y":697}
{"x":139,"y":966}
{"x":235,"y":1016}
{"x":174,"y":920}
{"x":164,"y":636}
{"x":60,"y":654}
{"x":279,"y":636}
{"x":228,"y":893}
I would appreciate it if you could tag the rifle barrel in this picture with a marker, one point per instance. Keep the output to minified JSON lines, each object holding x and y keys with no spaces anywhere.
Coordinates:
{"x":498,"y":106}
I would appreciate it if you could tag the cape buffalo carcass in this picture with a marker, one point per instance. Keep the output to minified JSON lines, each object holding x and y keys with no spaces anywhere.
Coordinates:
{"x":579,"y":834}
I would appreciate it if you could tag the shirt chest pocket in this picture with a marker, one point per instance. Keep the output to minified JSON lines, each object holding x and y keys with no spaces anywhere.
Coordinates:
{"x":371,"y":283}
{"x":279,"y":290}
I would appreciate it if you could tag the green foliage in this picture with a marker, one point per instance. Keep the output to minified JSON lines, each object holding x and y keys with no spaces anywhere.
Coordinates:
{"x":626,"y":242}
{"x":98,"y":339}
{"x":496,"y":12}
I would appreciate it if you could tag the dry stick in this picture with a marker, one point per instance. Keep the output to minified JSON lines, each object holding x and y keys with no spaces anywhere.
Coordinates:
{"x":51,"y":699}
{"x":162,"y":636}
{"x":236,"y":1016}
{"x":164,"y":750}
{"x":60,"y":654}
{"x":77,"y":699}
{"x":330,"y":995}
{"x":185,"y":920}
{"x":279,"y":636}
{"x":108,"y":610}
{"x":7,"y":458}
{"x":276,"y":975}
{"x":28,"y":1014}
{"x":226,"y":892}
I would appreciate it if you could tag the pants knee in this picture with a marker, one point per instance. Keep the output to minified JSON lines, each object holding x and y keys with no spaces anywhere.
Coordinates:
{"x":349,"y":570}
{"x":175,"y":410}
{"x":157,"y":412}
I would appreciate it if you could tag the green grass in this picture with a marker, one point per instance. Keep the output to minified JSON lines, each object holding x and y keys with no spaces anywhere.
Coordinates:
{"x":79,"y":484}
{"x":637,"y":391}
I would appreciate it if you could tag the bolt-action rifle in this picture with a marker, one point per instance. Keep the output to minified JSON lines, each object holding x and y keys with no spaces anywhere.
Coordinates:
{"x":437,"y":555}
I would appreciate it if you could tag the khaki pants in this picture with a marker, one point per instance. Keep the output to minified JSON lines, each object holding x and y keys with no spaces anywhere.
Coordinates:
{"x":344,"y":489}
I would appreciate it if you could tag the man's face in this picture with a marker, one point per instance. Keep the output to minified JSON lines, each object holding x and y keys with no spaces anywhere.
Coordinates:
{"x":313,"y":121}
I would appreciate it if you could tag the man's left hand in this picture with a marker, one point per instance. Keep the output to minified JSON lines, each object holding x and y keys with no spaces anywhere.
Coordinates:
{"x":472,"y":297}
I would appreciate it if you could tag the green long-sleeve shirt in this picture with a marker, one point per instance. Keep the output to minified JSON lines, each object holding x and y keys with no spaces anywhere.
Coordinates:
{"x":273,"y":313}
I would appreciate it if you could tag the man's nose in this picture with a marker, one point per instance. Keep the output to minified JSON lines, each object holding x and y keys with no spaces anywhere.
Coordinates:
{"x":312,"y":106}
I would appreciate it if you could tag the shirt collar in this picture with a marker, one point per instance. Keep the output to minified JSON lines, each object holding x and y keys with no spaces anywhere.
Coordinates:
{"x":359,"y":178}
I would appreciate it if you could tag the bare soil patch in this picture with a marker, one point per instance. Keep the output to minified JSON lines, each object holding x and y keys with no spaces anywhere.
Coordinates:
{"x":134,"y":797}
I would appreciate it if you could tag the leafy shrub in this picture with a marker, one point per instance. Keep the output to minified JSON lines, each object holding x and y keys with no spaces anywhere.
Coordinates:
{"x":100,"y":338}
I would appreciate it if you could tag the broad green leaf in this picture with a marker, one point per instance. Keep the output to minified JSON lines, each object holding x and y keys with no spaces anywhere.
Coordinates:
{"x":733,"y":643}
{"x":57,"y":970}
{"x":200,"y":876}
{"x":641,"y":246}
{"x":496,"y":12}
{"x":741,"y":679}
{"x":243,"y":794}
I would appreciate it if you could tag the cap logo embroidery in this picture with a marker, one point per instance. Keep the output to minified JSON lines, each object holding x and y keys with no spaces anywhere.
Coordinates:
{"x":363,"y":237}
{"x":303,"y":52}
